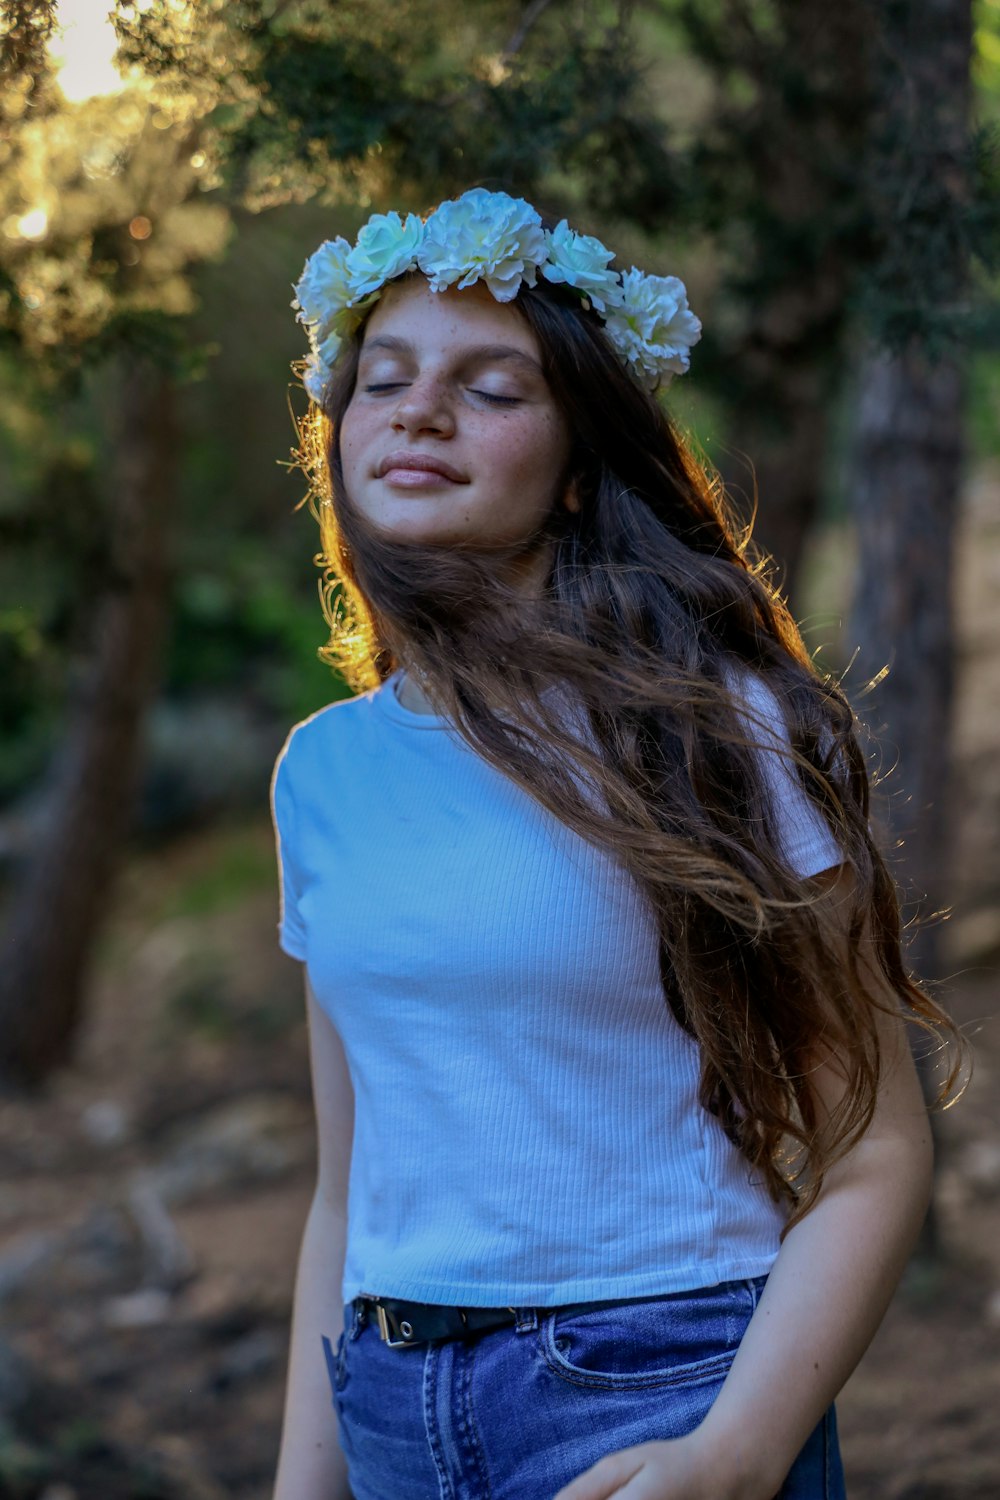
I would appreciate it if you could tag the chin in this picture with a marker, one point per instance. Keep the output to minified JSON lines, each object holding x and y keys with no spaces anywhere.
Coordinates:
{"x":423,"y":534}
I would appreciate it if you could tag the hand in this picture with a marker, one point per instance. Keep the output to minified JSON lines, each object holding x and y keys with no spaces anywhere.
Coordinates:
{"x":681,"y":1469}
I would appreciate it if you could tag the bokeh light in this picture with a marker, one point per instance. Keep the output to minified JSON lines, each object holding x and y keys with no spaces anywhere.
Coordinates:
{"x":29,"y":226}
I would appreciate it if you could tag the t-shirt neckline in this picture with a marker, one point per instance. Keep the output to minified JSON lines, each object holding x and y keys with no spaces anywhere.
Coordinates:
{"x":386,"y":698}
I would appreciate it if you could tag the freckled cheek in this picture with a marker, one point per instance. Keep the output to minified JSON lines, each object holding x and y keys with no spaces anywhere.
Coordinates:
{"x":527,"y":455}
{"x":352,"y":449}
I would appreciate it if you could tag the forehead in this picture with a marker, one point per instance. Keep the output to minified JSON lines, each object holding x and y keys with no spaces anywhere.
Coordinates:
{"x":452,"y":319}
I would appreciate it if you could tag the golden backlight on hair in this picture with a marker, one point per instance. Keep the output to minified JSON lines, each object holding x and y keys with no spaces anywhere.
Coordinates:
{"x":351,"y":647}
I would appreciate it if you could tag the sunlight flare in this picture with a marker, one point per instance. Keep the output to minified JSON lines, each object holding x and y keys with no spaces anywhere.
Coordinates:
{"x":83,"y":50}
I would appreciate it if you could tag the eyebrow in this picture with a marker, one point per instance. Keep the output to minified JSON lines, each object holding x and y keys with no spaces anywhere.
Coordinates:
{"x":475,"y":352}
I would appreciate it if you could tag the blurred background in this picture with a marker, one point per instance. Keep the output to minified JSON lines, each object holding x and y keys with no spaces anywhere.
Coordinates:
{"x":826,"y":181}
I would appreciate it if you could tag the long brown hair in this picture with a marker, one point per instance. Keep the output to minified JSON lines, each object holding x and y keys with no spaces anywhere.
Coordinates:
{"x":655,"y":594}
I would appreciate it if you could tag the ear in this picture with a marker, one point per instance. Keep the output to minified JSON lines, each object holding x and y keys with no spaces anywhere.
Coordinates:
{"x":571,"y":497}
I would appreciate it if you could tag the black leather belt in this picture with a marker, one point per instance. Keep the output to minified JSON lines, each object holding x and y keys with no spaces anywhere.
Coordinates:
{"x":401,"y":1324}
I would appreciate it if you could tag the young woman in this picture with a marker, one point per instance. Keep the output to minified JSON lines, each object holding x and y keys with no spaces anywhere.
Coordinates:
{"x":621,"y":1147}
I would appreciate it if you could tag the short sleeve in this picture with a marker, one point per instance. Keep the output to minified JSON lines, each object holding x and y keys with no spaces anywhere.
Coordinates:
{"x":806,"y":841}
{"x":291,"y":928}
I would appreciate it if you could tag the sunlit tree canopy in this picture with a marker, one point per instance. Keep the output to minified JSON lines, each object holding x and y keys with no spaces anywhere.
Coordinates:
{"x":110,"y":197}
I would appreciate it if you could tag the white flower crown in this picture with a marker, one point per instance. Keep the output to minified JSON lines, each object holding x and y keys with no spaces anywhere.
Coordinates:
{"x":500,"y":240}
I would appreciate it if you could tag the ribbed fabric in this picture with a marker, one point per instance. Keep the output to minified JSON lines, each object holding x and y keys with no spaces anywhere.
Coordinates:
{"x":527,"y":1127}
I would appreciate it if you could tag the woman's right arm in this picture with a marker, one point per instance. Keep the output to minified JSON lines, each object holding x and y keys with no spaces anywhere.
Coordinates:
{"x":310,"y":1462}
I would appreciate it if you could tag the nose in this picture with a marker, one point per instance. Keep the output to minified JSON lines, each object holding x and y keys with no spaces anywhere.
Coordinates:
{"x":423,"y":406}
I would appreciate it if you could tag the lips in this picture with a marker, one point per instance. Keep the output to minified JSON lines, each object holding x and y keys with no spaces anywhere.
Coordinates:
{"x":420,"y":463}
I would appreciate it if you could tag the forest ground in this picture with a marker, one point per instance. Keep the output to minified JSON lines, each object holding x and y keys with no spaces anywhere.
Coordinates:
{"x":153,"y":1200}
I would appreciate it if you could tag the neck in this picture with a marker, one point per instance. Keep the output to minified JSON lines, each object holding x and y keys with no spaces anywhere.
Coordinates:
{"x":412,"y":696}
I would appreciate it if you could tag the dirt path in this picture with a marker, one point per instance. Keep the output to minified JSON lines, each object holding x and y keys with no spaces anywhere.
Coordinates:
{"x":162,"y":1344}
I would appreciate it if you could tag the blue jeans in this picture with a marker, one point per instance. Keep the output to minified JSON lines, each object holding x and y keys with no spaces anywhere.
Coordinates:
{"x":516,"y":1412}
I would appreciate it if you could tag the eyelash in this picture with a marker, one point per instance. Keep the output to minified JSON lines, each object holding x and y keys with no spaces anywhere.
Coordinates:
{"x":486,"y":395}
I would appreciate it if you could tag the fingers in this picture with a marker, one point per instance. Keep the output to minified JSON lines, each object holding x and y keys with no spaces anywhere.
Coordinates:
{"x":607,"y":1477}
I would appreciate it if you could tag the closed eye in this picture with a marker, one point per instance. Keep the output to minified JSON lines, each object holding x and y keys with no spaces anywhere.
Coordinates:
{"x":485,"y":395}
{"x":498,"y":400}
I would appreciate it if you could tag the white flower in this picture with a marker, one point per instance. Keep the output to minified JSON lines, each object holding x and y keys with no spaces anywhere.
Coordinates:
{"x":326,"y":350}
{"x":500,"y":240}
{"x":483,"y":235}
{"x":324,"y":288}
{"x":326,"y":341}
{"x":386,"y":247}
{"x":314,"y":377}
{"x":654,"y":328}
{"x":582,"y":262}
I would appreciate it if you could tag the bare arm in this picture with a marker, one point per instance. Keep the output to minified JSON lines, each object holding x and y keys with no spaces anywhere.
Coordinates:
{"x":825,"y":1297}
{"x":311,"y":1463}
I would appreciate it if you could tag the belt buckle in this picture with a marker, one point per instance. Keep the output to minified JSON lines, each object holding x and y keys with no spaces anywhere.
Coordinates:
{"x":385,"y":1332}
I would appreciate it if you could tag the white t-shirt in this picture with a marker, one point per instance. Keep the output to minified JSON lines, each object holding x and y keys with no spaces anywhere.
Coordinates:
{"x":527,"y":1126}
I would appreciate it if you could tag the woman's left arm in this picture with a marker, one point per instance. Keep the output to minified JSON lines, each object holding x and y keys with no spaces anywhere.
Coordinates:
{"x":826,"y":1295}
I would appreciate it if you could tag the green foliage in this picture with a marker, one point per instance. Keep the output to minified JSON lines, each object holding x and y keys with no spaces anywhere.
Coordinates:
{"x":828,"y":180}
{"x":335,"y":95}
{"x":369,"y":101}
{"x":984,"y":404}
{"x":741,"y":138}
{"x":23,"y":1465}
{"x":934,"y":233}
{"x":26,"y":27}
{"x":986,"y":58}
{"x":52,"y":558}
{"x":241,"y":867}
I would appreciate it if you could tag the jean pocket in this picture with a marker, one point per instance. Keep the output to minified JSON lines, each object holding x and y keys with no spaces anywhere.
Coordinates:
{"x":336,"y":1362}
{"x":682,"y":1339}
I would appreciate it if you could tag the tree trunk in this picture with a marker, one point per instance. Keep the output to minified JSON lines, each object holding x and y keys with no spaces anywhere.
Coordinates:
{"x":907,"y":464}
{"x":800,"y":137}
{"x":55,"y":912}
{"x":908,"y":459}
{"x":906,"y":490}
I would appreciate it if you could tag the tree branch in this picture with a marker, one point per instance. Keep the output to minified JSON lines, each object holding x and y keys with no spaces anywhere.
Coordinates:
{"x":531,"y":14}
